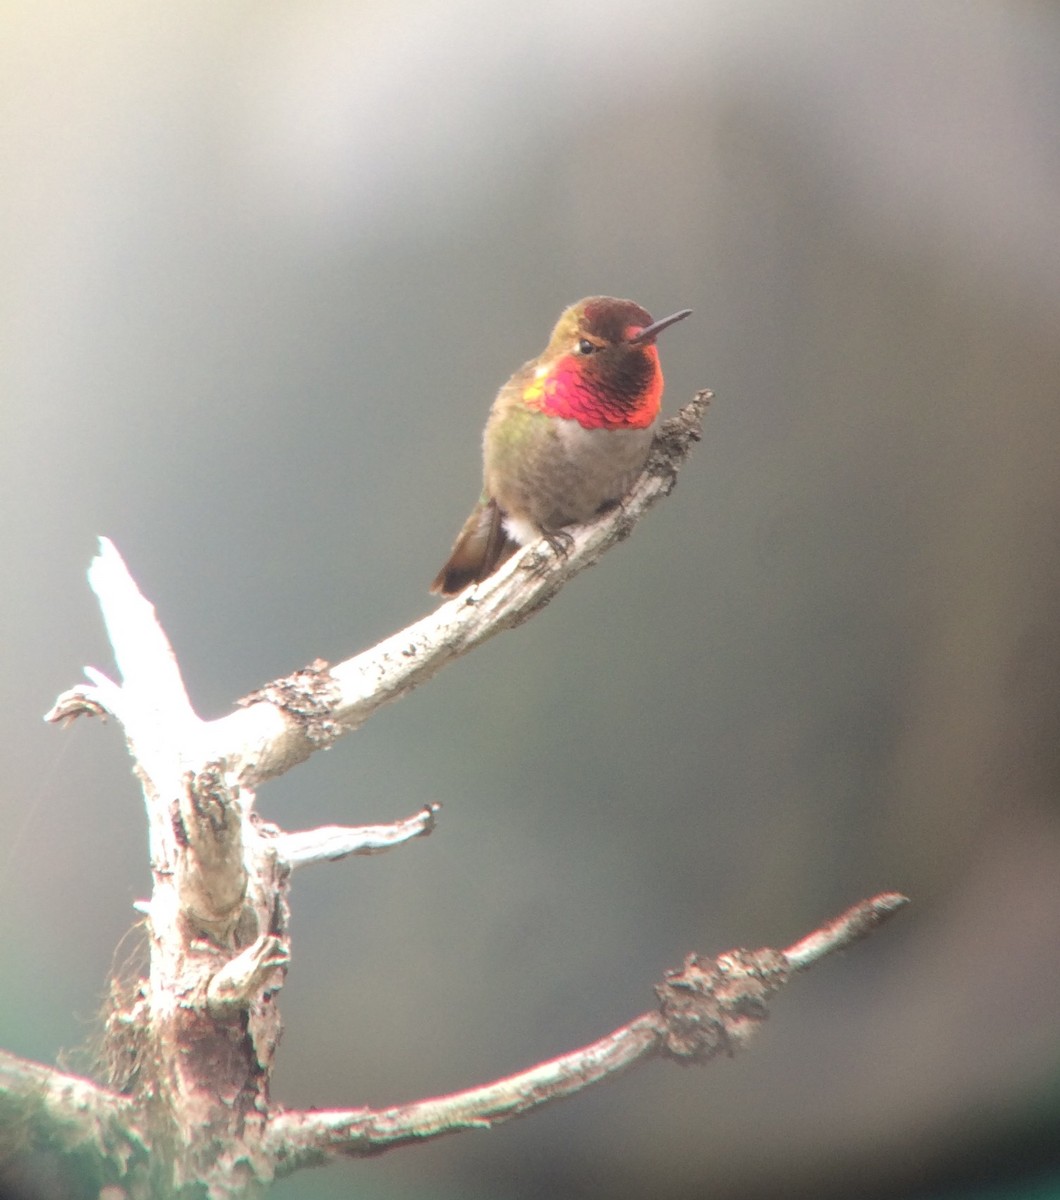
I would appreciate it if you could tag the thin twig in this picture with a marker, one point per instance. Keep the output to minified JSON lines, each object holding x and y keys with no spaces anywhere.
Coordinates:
{"x":330,"y":843}
{"x":849,"y":927}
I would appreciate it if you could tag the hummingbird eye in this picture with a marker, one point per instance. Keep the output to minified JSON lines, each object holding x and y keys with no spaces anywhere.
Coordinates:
{"x":587,"y":347}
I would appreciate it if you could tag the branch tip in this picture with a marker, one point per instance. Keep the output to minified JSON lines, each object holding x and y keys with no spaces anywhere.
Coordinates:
{"x":849,"y":927}
{"x":331,"y":843}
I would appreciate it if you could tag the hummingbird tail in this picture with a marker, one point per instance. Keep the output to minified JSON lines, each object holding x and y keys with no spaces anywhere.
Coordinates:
{"x":480,"y":548}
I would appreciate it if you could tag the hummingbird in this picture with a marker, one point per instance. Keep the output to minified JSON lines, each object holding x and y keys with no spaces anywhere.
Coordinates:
{"x":567,"y":436}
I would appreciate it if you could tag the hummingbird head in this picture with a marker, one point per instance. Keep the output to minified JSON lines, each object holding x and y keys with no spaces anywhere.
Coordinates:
{"x":601,"y":366}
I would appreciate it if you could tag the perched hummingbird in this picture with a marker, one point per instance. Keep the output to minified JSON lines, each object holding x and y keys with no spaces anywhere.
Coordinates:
{"x":566,"y":437}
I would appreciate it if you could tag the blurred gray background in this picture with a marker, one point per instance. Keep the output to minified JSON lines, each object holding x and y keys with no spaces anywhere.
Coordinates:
{"x":264,"y":267}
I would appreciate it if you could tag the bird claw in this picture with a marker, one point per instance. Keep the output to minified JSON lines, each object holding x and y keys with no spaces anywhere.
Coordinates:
{"x":559,"y":542}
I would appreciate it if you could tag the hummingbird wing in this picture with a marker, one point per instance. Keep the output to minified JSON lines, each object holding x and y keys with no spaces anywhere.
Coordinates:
{"x":480,"y":548}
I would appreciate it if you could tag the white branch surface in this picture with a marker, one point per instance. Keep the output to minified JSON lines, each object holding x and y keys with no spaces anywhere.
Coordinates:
{"x":330,"y":843}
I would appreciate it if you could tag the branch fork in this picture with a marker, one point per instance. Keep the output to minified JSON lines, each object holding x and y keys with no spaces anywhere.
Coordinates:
{"x":191,"y":1047}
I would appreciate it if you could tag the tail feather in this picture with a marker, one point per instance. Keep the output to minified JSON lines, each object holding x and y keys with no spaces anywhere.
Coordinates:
{"x":480,"y":548}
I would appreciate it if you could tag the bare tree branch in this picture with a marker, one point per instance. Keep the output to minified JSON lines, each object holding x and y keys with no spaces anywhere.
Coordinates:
{"x":849,"y":927}
{"x":195,"y":1042}
{"x":330,"y":843}
{"x":48,"y":1107}
{"x":283,"y":723}
{"x":709,"y":1006}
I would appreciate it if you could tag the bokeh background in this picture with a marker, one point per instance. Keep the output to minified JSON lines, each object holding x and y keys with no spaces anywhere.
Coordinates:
{"x":264,"y":266}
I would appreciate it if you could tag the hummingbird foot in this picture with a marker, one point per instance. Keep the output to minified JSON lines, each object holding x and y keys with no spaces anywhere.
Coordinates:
{"x":559,"y":542}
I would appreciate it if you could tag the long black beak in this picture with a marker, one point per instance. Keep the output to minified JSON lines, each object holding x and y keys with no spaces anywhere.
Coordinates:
{"x":650,"y":332}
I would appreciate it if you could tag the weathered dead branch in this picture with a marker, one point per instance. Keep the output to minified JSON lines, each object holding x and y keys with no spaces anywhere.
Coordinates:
{"x":194,"y":1043}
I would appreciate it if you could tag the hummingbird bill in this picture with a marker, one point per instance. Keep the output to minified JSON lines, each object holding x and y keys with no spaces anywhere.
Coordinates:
{"x":566,"y":438}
